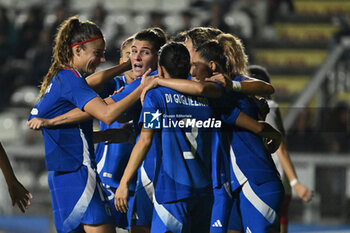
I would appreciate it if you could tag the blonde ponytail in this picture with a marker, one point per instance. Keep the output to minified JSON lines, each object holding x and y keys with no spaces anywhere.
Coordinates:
{"x":236,"y":59}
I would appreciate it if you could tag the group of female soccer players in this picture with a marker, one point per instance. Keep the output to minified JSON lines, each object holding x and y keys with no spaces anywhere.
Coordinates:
{"x":174,"y":179}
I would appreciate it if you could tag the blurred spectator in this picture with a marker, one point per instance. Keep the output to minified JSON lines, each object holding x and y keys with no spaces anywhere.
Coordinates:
{"x":157,"y":20}
{"x":187,"y":17}
{"x":303,"y":137}
{"x":30,"y":30}
{"x":9,"y":40}
{"x":216,"y":19}
{"x":343,"y":32}
{"x":344,"y":28}
{"x":337,"y":128}
{"x":112,"y":31}
{"x":8,"y":36}
{"x":99,"y":15}
{"x":60,"y":16}
{"x":39,"y":57}
{"x":276,"y":7}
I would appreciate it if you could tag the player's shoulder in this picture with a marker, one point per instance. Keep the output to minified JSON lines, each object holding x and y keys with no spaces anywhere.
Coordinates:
{"x":68,"y":72}
{"x":120,"y":79}
{"x":158,"y":94}
{"x":159,"y":91}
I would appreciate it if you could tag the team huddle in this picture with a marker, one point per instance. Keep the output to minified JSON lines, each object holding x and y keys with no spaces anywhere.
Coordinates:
{"x":202,"y":158}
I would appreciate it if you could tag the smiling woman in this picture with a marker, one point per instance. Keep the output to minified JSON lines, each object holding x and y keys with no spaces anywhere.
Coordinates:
{"x":78,"y":198}
{"x":67,"y":98}
{"x":89,"y":56}
{"x":73,"y":42}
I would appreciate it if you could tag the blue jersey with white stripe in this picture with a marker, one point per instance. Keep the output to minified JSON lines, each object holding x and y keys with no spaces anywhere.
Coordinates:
{"x":111,"y":159}
{"x":66,"y":147}
{"x":183,"y":164}
{"x":149,"y":163}
{"x":249,"y":159}
{"x":220,"y":159}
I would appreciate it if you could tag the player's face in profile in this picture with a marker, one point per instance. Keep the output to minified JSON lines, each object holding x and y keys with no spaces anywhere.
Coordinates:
{"x":143,"y":57}
{"x":199,"y":68}
{"x":92,"y":56}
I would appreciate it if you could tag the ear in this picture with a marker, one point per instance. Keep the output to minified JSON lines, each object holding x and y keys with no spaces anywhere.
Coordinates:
{"x":160,"y":71}
{"x":77,"y":50}
{"x":212,"y":65}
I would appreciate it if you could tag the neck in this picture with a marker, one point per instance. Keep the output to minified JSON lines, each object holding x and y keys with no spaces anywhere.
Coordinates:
{"x":72,"y":66}
{"x":129,"y":77}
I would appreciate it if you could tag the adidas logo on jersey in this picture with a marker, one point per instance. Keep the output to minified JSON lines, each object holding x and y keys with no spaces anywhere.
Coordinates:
{"x":248,"y":230}
{"x":217,"y":223}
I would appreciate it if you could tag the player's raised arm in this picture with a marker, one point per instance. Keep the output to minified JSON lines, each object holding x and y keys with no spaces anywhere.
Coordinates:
{"x":98,"y":79}
{"x":185,"y":86}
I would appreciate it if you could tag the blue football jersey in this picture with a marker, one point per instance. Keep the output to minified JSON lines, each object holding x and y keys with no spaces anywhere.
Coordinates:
{"x":149,"y":163}
{"x":225,"y":106}
{"x":66,"y":147}
{"x":249,"y":159}
{"x":112,"y":158}
{"x":136,"y":108}
{"x":185,"y":123}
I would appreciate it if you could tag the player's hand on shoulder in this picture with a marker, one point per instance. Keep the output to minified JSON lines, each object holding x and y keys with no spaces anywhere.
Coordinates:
{"x":153,"y":84}
{"x":271,"y":137}
{"x":223,"y":79}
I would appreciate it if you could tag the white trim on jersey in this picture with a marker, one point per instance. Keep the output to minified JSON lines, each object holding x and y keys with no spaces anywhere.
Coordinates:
{"x":228,"y":189}
{"x":123,"y":78}
{"x":80,"y":207}
{"x":147,"y":184}
{"x":259,"y":204}
{"x":167,"y":218}
{"x":236,"y":170}
{"x":254,"y":199}
{"x":102,"y":162}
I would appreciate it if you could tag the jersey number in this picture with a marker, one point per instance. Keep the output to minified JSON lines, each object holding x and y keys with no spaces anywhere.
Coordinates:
{"x":191,"y":138}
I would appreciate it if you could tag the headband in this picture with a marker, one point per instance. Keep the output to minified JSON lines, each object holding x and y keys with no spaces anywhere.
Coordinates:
{"x":85,"y":41}
{"x":121,"y":46}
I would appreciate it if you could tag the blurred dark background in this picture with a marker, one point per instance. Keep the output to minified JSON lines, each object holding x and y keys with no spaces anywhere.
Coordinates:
{"x":302,"y":43}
